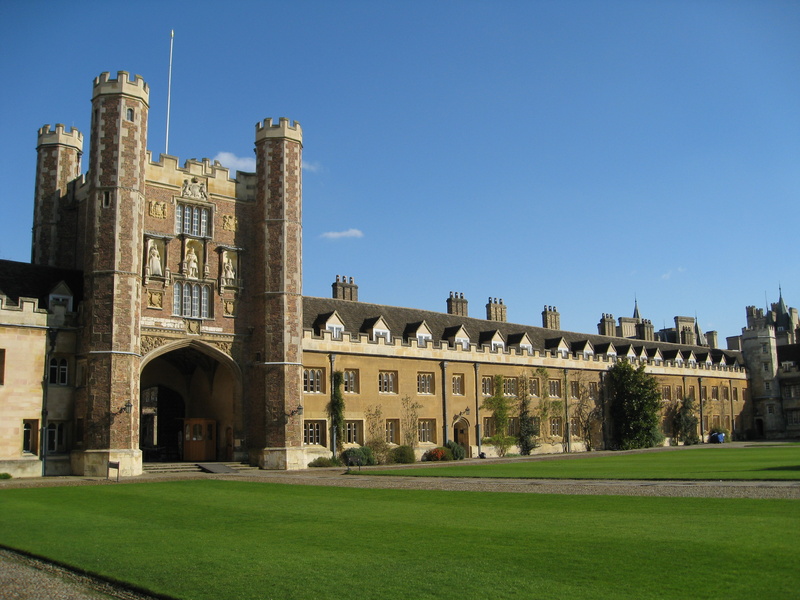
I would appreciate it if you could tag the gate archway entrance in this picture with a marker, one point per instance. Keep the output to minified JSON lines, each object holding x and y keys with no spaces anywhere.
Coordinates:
{"x":190,"y":404}
{"x":461,"y":435}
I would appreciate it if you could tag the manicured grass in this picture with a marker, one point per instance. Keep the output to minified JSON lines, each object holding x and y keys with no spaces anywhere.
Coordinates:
{"x":215,"y":539}
{"x":696,"y":462}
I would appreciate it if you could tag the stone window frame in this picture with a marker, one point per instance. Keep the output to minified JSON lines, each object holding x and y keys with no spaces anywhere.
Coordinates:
{"x":314,"y":432}
{"x":426,"y":431}
{"x":426,"y":384}
{"x":314,"y":381}
{"x":387,"y":382}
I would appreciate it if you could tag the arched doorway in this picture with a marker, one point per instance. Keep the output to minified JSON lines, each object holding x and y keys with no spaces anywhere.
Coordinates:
{"x":461,"y":435}
{"x":190,"y":404}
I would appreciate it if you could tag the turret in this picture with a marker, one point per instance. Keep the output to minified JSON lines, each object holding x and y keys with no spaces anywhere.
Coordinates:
{"x":275,"y":434}
{"x":58,"y":164}
{"x":113,"y":269}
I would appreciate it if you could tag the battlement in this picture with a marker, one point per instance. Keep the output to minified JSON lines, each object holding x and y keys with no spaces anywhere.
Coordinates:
{"x":167,"y":171}
{"x":60,"y":137}
{"x":123,"y":84}
{"x":283,"y":129}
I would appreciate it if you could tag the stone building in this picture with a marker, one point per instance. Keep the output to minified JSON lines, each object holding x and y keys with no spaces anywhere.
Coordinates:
{"x":770,"y":349}
{"x":172,"y":324}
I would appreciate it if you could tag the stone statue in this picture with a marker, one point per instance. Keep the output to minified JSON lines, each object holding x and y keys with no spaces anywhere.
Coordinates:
{"x":194,"y":189}
{"x":228,"y":274}
{"x":154,"y":261}
{"x":191,"y":262}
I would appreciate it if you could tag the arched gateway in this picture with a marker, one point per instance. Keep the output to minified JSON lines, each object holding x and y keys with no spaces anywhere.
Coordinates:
{"x":191,"y":404}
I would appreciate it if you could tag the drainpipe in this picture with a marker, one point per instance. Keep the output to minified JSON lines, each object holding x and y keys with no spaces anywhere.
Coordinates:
{"x":332,"y":429}
{"x":700,"y":392}
{"x":445,"y":407}
{"x":477,"y":408}
{"x":567,"y":425}
{"x":52,"y":335}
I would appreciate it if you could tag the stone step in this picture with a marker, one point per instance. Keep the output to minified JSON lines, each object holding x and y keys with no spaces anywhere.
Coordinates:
{"x":190,"y":467}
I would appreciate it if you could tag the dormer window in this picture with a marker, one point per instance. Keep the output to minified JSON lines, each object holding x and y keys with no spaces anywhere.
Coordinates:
{"x":336,"y":331}
{"x":381,"y":333}
{"x":463,"y":342}
{"x":423,"y":338}
{"x":498,"y":346}
{"x":527,"y":347}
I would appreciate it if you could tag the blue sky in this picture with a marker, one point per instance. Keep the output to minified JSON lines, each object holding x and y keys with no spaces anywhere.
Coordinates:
{"x":571,"y":153}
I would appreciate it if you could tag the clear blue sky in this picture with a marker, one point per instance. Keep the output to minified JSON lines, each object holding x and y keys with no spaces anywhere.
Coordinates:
{"x":570,"y":153}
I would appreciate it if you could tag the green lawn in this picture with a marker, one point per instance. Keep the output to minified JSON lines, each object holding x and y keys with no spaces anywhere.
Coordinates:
{"x":696,"y":462}
{"x":218,"y":540}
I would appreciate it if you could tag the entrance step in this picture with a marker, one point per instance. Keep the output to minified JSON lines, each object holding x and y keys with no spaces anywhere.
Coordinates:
{"x":189,"y":467}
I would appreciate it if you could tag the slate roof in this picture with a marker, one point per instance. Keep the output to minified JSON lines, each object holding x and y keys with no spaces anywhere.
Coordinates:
{"x":18,"y":279}
{"x":443,"y":326}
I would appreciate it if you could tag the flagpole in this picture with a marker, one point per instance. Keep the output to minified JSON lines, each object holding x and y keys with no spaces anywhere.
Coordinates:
{"x":169,"y":87}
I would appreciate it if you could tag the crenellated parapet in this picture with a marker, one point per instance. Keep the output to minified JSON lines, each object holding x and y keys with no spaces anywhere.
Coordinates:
{"x":282,"y":129}
{"x":123,"y":84}
{"x":168,"y":171}
{"x":60,"y":137}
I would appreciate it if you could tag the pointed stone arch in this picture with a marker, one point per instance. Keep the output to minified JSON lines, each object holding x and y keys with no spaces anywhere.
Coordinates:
{"x":189,"y":381}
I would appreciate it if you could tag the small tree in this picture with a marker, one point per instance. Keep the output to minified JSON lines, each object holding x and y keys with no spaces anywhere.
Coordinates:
{"x":685,"y":422}
{"x":500,"y":407}
{"x":409,"y":421}
{"x":546,"y":406}
{"x":336,"y":410}
{"x":635,"y":407}
{"x":376,"y":433}
{"x":587,"y":412}
{"x":526,"y":439}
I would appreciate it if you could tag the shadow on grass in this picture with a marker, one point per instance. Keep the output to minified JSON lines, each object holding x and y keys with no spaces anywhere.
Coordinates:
{"x":788,"y":468}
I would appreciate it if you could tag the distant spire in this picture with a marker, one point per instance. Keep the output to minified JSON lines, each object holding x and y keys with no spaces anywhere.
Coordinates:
{"x":636,"y":308}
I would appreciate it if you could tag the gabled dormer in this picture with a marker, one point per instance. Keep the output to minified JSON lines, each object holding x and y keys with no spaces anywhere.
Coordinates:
{"x":582,"y":347}
{"x":419,"y":331}
{"x":376,"y":328}
{"x":606,"y":348}
{"x":330,"y":322}
{"x":655,"y":355}
{"x":457,"y":336}
{"x":689,"y":358}
{"x":494,"y":339}
{"x":676,"y":356}
{"x":627,"y":351}
{"x":521,"y":341}
{"x":558,"y":346}
{"x":60,"y":295}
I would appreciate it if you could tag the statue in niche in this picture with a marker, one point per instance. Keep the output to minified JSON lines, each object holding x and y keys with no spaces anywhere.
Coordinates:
{"x":194,"y":189}
{"x":154,"y":261}
{"x":191,"y":262}
{"x":228,"y":273}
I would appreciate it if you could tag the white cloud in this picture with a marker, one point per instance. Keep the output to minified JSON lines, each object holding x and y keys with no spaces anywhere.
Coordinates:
{"x":669,"y":273}
{"x":236,"y":163}
{"x":336,"y":235}
{"x":312,"y":167}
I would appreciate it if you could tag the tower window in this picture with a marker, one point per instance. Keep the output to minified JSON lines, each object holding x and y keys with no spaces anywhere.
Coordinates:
{"x":129,"y":114}
{"x":106,"y":199}
{"x":192,"y":220}
{"x":191,"y":300}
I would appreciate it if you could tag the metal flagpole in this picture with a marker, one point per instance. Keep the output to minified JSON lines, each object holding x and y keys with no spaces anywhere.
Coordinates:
{"x":169,"y":87}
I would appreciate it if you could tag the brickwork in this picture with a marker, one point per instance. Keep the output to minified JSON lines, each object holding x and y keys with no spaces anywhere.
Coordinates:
{"x":275,"y":389}
{"x":58,"y":164}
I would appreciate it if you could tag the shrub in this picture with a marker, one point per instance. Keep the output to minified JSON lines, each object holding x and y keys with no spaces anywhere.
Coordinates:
{"x":457,"y":449}
{"x":5,"y":475}
{"x":381,"y":450}
{"x":437,"y":454}
{"x":325,"y":461}
{"x":361,"y":456}
{"x":404,"y":455}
